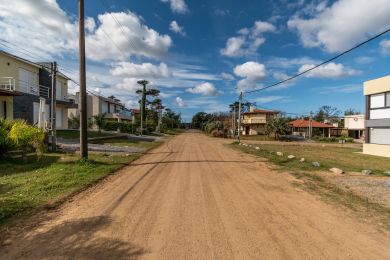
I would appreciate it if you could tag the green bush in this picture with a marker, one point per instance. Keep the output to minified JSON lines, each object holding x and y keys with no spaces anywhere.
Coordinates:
{"x":125,"y":127}
{"x":27,"y":137}
{"x":6,"y":144}
{"x":112,"y":126}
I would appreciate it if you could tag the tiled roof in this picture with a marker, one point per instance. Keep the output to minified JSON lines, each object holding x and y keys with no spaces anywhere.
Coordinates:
{"x":305,"y":123}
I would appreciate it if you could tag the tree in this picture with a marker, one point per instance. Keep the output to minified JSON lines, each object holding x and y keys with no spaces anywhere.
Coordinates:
{"x":144,"y":92}
{"x":278,"y":126}
{"x":327,"y":113}
{"x":199,"y":119}
{"x":351,"y":112}
{"x":100,"y":121}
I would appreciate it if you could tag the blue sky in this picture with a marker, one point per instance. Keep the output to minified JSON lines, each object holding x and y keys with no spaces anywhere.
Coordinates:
{"x":201,"y":53}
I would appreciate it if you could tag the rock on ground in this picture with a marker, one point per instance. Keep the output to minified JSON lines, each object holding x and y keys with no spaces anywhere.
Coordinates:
{"x":279,"y":153}
{"x":336,"y":170}
{"x":316,"y":164}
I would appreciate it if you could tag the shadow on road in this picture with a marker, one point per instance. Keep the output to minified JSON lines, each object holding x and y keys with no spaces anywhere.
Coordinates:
{"x":80,"y":239}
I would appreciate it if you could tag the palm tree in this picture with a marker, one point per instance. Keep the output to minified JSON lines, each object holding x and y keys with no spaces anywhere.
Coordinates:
{"x":278,"y":125}
{"x":100,"y":121}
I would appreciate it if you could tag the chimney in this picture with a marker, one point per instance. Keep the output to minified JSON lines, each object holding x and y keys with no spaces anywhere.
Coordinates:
{"x":251,"y":109}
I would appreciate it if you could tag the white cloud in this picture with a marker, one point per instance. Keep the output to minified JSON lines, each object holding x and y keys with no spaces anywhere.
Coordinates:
{"x":45,"y":22}
{"x":248,"y":40}
{"x":205,"y":89}
{"x":227,"y":76}
{"x":175,"y":27}
{"x":385,"y":46}
{"x":330,"y":70}
{"x":286,"y":63}
{"x":268,"y":99}
{"x":346,"y":89}
{"x":252,"y":72}
{"x":179,"y":102}
{"x":280,"y":76}
{"x":132,"y":38}
{"x":343,"y":24}
{"x":144,"y":70}
{"x":177,"y":6}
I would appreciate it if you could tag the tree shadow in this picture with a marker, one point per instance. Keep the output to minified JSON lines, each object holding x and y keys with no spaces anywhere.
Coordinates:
{"x":77,"y":239}
{"x":15,"y":165}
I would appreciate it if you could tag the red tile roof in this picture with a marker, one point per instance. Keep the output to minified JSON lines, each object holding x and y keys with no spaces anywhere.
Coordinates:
{"x":261,"y":111}
{"x":305,"y":124}
{"x":135,"y":111}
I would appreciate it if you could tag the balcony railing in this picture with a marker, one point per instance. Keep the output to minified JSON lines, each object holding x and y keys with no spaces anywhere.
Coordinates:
{"x":254,"y":121}
{"x":7,"y":83}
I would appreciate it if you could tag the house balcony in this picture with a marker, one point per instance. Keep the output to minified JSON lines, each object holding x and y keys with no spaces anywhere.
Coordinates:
{"x":251,"y":121}
{"x":119,"y":115}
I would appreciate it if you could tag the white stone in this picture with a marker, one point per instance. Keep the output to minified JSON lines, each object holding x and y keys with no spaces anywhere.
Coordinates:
{"x":257,"y":148}
{"x":291,"y":156}
{"x":302,"y":160}
{"x":279,"y":153}
{"x":316,"y":164}
{"x":336,"y":170}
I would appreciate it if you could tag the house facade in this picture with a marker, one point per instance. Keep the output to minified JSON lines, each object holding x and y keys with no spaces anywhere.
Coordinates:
{"x":354,"y":124}
{"x":253,"y":122}
{"x":26,"y":84}
{"x":377,"y":124}
{"x":97,"y":105}
{"x":309,"y":128}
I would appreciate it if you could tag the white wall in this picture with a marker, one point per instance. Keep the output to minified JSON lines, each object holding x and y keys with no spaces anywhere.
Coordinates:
{"x":354,"y":122}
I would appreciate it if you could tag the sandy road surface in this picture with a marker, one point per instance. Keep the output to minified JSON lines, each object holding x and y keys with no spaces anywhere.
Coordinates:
{"x":194,"y":198}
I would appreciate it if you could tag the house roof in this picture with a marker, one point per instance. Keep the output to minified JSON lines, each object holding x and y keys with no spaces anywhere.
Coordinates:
{"x":306,"y":123}
{"x":135,"y":111}
{"x":261,"y":111}
{"x":20,"y":59}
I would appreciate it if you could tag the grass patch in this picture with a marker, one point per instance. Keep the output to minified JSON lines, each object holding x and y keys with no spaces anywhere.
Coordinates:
{"x":257,"y":138}
{"x":346,"y":158}
{"x":75,"y":134}
{"x":175,"y":131}
{"x":125,"y":142}
{"x":25,"y":188}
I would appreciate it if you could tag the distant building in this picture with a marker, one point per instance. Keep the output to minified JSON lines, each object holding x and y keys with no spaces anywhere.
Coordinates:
{"x":254,"y":121}
{"x":302,"y":127}
{"x":97,"y":104}
{"x":354,"y":124}
{"x":377,"y":136}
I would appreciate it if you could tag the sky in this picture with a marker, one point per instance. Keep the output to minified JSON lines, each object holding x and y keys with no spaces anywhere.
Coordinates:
{"x":201,"y":53}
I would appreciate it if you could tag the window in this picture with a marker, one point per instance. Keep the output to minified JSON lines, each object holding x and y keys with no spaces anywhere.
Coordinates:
{"x":388,"y":99}
{"x":377,"y":101}
{"x":380,"y":136}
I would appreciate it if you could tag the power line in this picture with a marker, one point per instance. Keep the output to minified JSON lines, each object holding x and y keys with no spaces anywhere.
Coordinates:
{"x":322,"y":63}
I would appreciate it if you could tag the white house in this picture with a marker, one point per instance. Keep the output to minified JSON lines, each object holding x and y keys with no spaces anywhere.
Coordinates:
{"x":355,"y":125}
{"x":377,"y":122}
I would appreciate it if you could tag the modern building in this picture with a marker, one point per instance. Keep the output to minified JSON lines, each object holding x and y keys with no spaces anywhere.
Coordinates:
{"x":254,"y":121}
{"x":377,"y":124}
{"x":98,"y":104}
{"x":303,"y":127}
{"x":23,"y":84}
{"x":354,"y":125}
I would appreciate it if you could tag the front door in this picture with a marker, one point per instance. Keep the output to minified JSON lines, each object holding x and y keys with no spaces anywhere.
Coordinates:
{"x":247,"y":130}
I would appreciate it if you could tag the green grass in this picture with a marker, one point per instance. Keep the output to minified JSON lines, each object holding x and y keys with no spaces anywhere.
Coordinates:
{"x":175,"y":131}
{"x":257,"y":138}
{"x":125,"y":142}
{"x":346,"y":158}
{"x":75,"y":134}
{"x":26,"y":188}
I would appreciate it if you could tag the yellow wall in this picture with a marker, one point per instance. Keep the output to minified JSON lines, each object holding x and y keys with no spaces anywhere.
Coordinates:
{"x":255,"y":116}
{"x":377,"y":149}
{"x":377,"y":86}
{"x":10,"y":106}
{"x":12,"y":70}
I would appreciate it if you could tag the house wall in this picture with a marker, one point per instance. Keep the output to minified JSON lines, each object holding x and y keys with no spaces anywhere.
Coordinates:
{"x":255,"y":117}
{"x":377,"y":86}
{"x":9,"y":67}
{"x":376,"y":149}
{"x":355,"y":122}
{"x":9,"y":107}
{"x":64,"y":115}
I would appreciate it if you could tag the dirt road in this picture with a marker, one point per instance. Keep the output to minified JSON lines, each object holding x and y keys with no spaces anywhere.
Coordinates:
{"x":194,"y":198}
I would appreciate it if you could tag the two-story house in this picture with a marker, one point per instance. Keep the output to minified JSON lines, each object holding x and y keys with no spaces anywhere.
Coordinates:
{"x":98,"y":104}
{"x":354,"y":124}
{"x":377,"y":132}
{"x":26,"y":83}
{"x":254,"y":121}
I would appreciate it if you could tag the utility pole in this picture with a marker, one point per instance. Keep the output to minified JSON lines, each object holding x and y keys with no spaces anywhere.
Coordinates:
{"x":143,"y":102}
{"x":53,"y":105}
{"x":83,"y":87}
{"x":234,"y":120}
{"x":311,"y":125}
{"x":239,"y":117}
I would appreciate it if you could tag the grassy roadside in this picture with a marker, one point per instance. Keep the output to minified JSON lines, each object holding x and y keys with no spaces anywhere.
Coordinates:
{"x":75,"y":134}
{"x":26,"y":188}
{"x":125,"y":142}
{"x":344,"y":158}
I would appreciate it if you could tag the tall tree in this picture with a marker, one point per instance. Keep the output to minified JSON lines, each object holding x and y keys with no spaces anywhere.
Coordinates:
{"x":144,"y":93}
{"x":327,"y":113}
{"x":351,"y":112}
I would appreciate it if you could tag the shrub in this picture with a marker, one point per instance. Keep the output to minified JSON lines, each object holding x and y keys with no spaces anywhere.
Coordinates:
{"x":111,"y":126}
{"x":6,"y":144}
{"x":26,"y":137}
